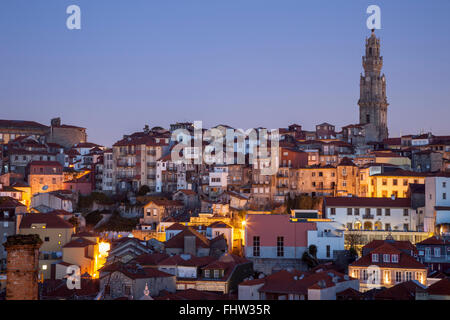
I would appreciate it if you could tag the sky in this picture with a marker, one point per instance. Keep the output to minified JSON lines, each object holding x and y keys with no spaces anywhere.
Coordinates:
{"x":245,"y":63}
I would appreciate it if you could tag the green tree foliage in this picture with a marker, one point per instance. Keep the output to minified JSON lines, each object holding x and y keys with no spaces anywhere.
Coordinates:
{"x":143,"y":190}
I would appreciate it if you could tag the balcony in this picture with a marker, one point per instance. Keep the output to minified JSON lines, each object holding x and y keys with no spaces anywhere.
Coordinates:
{"x":368,"y":216}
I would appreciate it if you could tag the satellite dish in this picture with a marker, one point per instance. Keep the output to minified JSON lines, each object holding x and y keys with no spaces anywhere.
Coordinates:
{"x":45,"y":187}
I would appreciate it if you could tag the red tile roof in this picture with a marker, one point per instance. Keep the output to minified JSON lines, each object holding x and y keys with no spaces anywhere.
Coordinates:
{"x":441,"y":288}
{"x":9,"y":203}
{"x":45,"y":163}
{"x":51,"y":221}
{"x":79,"y":243}
{"x":150,"y":259}
{"x":405,"y":260}
{"x":433,"y":241}
{"x":192,"y":294}
{"x":178,"y":240}
{"x":21,"y":124}
{"x":219,"y":224}
{"x":367,"y":202}
{"x":176,"y":226}
{"x":400,"y":245}
{"x":134,"y":271}
{"x":402,"y":291}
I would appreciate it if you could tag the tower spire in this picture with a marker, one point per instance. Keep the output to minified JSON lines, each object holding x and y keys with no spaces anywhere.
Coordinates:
{"x":373,"y":102}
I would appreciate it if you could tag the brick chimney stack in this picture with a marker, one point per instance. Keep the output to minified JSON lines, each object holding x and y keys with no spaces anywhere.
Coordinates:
{"x":22,"y":267}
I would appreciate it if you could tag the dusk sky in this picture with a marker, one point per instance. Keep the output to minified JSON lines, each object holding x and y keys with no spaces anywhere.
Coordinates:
{"x":245,"y":63}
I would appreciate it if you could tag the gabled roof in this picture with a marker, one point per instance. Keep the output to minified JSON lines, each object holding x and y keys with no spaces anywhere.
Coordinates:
{"x":9,"y":203}
{"x":219,"y":224}
{"x":79,"y":243}
{"x":405,"y":260}
{"x":134,"y":271}
{"x":178,"y":240}
{"x":400,"y":245}
{"x":176,"y":226}
{"x":402,"y":291}
{"x":51,"y":221}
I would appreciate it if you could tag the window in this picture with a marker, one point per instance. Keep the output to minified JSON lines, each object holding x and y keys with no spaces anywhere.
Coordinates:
{"x":47,"y":239}
{"x":444,"y":184}
{"x":405,"y":212}
{"x":386,"y":258}
{"x":408,"y":276}
{"x":405,"y":226}
{"x":405,"y":182}
{"x":437,"y":252}
{"x":367,"y":211}
{"x":280,"y":246}
{"x":256,"y":248}
{"x":356,"y":211}
{"x":349,"y":211}
{"x":44,"y":267}
{"x":395,"y":182}
{"x":216,"y":274}
{"x":394,"y":258}
{"x":444,"y":196}
{"x":387,"y":212}
{"x":364,"y":274}
{"x":333,"y":211}
{"x":428,"y":252}
{"x":207,"y":274}
{"x":384,"y":182}
{"x":155,"y":212}
{"x":398,"y":276}
{"x":387,"y":226}
{"x":378,"y":211}
{"x":374,"y":257}
{"x":127,"y":290}
{"x":328,"y":251}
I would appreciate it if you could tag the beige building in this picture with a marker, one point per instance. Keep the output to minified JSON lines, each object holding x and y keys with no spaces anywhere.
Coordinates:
{"x":394,"y":183}
{"x":45,"y":176}
{"x":54,"y":232}
{"x":83,"y":251}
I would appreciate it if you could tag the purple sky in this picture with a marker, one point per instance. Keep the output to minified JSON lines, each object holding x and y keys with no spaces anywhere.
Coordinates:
{"x":243,"y":63}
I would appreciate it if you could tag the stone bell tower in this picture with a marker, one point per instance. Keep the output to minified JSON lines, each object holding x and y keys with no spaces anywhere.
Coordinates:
{"x":373,"y":102}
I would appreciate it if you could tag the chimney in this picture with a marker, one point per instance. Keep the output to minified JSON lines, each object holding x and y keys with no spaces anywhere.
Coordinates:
{"x":189,"y":245}
{"x":22,"y":267}
{"x":55,"y":122}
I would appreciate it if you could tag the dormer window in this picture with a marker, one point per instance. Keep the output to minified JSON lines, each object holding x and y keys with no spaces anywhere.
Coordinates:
{"x":394,"y":258}
{"x":374,"y":257}
{"x":386,"y":258}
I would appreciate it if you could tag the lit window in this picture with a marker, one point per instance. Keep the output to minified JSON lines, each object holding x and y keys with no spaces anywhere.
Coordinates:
{"x":44,"y":267}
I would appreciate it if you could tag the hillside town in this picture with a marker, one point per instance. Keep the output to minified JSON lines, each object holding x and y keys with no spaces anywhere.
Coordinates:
{"x":350,"y":213}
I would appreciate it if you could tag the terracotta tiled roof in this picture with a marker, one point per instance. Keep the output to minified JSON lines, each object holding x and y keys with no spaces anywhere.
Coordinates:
{"x":167,"y":203}
{"x":45,"y":163}
{"x":79,"y":243}
{"x":405,"y":260}
{"x":51,"y":221}
{"x":178,"y":240}
{"x":56,"y":289}
{"x":219,"y":224}
{"x":193,"y":261}
{"x":400,"y":245}
{"x":434,"y":241}
{"x":21,"y":124}
{"x":402,"y":291}
{"x":9,"y":203}
{"x":441,"y":288}
{"x":367,"y":202}
{"x":347,"y":162}
{"x":150,"y":259}
{"x":135,"y":271}
{"x":176,"y":226}
{"x":188,"y":192}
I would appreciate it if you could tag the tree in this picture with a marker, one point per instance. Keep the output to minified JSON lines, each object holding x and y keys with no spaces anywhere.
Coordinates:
{"x":143,"y":190}
{"x":74,"y":221}
{"x":312,"y":249}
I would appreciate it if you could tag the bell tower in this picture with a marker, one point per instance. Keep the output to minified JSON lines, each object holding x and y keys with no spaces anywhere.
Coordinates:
{"x":373,"y":102}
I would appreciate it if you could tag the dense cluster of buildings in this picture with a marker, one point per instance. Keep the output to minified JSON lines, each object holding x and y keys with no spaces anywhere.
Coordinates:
{"x":349,"y":215}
